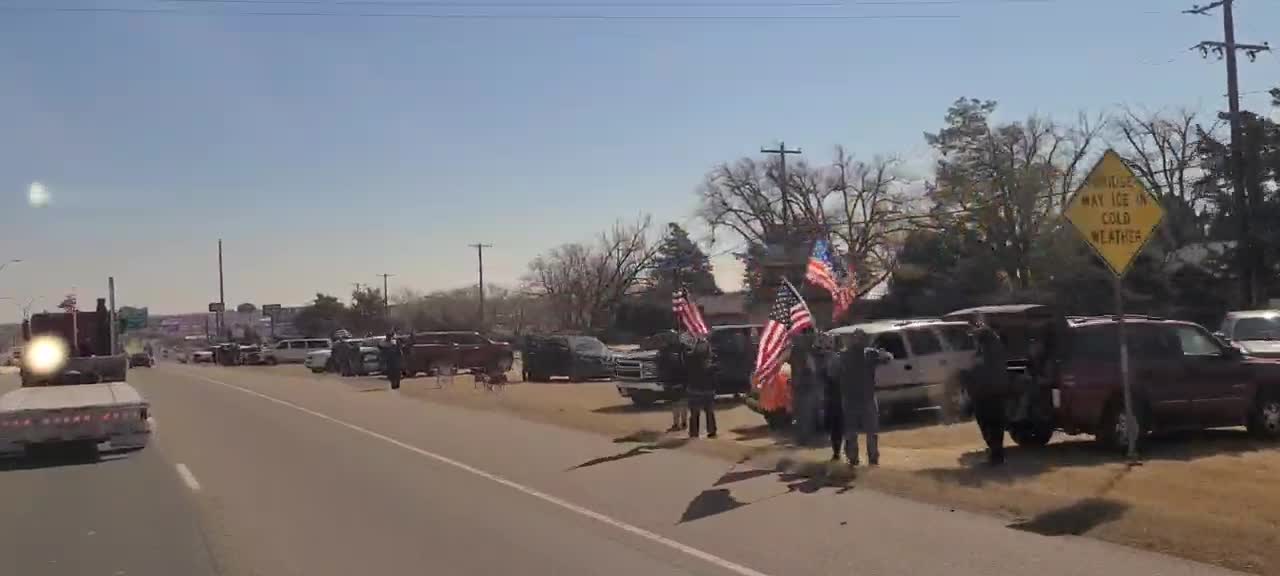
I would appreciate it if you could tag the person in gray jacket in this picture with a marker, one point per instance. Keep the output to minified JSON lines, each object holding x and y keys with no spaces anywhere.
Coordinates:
{"x":858,"y":363}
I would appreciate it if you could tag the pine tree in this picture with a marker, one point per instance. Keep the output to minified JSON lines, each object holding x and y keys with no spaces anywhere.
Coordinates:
{"x":679,"y":256}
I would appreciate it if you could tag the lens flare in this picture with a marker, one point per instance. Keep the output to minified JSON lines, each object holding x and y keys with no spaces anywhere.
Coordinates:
{"x":38,"y":196}
{"x":45,"y":355}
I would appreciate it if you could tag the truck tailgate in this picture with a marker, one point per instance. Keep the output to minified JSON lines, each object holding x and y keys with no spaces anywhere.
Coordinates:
{"x":72,"y":396}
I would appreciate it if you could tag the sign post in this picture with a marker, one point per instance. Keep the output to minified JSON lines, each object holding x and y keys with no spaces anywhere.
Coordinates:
{"x":1116,"y":215}
{"x":271,"y":310}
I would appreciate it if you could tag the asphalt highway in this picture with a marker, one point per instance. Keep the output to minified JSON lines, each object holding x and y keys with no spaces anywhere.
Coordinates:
{"x":281,"y":472}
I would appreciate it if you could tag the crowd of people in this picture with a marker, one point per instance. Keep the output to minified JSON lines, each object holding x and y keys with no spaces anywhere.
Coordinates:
{"x":840,"y":379}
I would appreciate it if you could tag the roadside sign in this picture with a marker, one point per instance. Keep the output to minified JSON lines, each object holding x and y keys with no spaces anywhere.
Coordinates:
{"x":270,"y":309}
{"x":1116,"y":215}
{"x":133,"y":318}
{"x":215,"y":306}
{"x":1114,"y":212}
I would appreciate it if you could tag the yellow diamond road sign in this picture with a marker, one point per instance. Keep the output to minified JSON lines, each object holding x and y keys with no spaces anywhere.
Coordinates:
{"x":1114,"y":212}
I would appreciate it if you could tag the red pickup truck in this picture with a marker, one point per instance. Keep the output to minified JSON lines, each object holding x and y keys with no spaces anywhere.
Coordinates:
{"x":444,"y":352}
{"x":1182,"y":378}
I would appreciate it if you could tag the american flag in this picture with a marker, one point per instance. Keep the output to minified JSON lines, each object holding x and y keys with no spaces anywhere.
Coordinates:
{"x":68,"y":304}
{"x":826,"y":273}
{"x":789,"y":317}
{"x":688,"y":314}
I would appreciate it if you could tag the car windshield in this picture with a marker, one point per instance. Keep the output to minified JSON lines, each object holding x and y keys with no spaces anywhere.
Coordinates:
{"x":1265,"y":328}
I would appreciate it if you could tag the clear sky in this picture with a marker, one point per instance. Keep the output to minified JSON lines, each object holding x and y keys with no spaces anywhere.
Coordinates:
{"x":340,"y":142}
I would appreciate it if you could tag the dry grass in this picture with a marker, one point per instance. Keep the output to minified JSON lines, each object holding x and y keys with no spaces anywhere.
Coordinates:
{"x":1210,"y":497}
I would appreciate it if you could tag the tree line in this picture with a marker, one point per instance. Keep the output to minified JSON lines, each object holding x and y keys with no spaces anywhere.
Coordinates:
{"x":984,"y":227}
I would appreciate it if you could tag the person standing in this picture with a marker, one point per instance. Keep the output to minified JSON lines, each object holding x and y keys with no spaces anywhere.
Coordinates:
{"x":988,"y":388}
{"x":392,"y":360}
{"x":673,"y":371}
{"x":805,"y":386}
{"x":833,"y":403}
{"x":858,"y":365}
{"x":700,"y":387}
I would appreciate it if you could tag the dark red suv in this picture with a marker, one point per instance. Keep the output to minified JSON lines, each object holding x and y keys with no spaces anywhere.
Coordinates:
{"x":1182,"y":377}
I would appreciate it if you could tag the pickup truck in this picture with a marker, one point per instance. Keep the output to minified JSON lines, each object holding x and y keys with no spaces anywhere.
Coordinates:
{"x":638,"y":375}
{"x":65,"y":400}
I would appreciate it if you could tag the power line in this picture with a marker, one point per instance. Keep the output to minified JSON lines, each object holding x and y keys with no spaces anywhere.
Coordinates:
{"x":508,"y":4}
{"x":474,"y":16}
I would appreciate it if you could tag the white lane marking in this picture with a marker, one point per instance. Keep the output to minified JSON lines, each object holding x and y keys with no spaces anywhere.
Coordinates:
{"x":188,"y":478}
{"x":570,"y":506}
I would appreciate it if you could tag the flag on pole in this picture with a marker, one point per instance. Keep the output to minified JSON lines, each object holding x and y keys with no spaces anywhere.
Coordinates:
{"x":688,"y":314}
{"x":788,"y":317}
{"x":824,"y":272}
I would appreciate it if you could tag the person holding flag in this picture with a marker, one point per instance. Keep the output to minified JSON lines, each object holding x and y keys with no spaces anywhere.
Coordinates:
{"x":689,"y":318}
{"x":789,"y":317}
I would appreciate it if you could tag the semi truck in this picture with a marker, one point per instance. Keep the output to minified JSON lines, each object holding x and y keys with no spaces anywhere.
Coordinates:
{"x":74,"y":390}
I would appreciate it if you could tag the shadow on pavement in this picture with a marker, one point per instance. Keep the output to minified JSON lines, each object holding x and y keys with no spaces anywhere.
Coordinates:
{"x":722,"y":403}
{"x":665,"y":444}
{"x":1030,"y":462}
{"x":709,"y":503}
{"x":1075,"y":519}
{"x":62,"y":458}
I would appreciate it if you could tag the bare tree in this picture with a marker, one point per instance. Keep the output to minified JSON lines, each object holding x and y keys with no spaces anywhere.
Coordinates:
{"x":1008,"y":182}
{"x":870,"y":215}
{"x":1164,"y":151}
{"x":858,"y":205}
{"x":584,"y":283}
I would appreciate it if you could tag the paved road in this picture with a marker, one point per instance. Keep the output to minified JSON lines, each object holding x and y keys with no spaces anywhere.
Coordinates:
{"x":279,"y":472}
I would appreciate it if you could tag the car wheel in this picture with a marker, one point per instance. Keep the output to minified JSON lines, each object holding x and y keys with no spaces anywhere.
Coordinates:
{"x":1034,"y":435}
{"x":271,"y":361}
{"x":1113,"y":430}
{"x":643,"y":398}
{"x":1265,"y":419}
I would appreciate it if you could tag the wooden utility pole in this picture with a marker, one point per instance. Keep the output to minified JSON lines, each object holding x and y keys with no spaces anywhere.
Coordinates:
{"x":782,"y":152}
{"x":222,"y":295}
{"x":480,"y":261}
{"x":386,"y":301}
{"x":1248,"y":252}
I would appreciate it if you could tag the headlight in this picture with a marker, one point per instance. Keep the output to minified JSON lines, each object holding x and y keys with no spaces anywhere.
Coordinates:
{"x":45,"y":355}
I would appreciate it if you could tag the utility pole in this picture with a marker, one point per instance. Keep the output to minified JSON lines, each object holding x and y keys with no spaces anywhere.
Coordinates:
{"x":480,"y":260}
{"x":1247,"y":250}
{"x":386,"y":301}
{"x":222,"y":294}
{"x":111,"y":296}
{"x":782,"y":152}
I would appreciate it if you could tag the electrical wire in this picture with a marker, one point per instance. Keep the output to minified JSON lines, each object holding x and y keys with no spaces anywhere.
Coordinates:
{"x":470,"y":16}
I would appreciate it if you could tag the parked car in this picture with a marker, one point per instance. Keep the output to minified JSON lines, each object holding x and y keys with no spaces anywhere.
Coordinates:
{"x":1181,"y":376}
{"x":576,"y":357}
{"x":252,"y":355}
{"x":321,"y":360}
{"x":14,"y":358}
{"x":1254,"y":332}
{"x":141,"y":360}
{"x":295,"y":350}
{"x":638,"y":375}
{"x":201,"y":356}
{"x":447,"y":351}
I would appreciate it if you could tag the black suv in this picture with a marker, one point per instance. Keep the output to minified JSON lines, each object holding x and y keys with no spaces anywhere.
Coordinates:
{"x":577,"y":357}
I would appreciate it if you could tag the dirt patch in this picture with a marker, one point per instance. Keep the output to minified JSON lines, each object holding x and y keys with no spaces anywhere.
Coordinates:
{"x":1209,"y":497}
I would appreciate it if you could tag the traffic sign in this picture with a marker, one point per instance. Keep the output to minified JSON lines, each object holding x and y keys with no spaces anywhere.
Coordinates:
{"x":215,"y":306}
{"x":133,"y":318}
{"x":1114,"y":212}
{"x":270,"y":309}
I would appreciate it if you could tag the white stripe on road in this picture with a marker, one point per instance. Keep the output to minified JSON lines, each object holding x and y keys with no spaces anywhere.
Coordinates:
{"x":188,"y":478}
{"x":619,"y":524}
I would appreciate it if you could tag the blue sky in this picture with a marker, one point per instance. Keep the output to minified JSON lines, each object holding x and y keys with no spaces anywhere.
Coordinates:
{"x":326,"y":149}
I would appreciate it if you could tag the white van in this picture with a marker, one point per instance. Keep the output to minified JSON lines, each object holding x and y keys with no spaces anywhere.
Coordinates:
{"x":294,"y":351}
{"x":929,"y":357}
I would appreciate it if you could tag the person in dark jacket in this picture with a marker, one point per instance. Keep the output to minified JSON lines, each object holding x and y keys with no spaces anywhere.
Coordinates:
{"x":700,"y":387}
{"x":392,"y":360}
{"x":346,"y":360}
{"x":832,"y":399}
{"x":672,"y":371}
{"x":858,"y":365}
{"x":806,"y":387}
{"x":988,"y":388}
